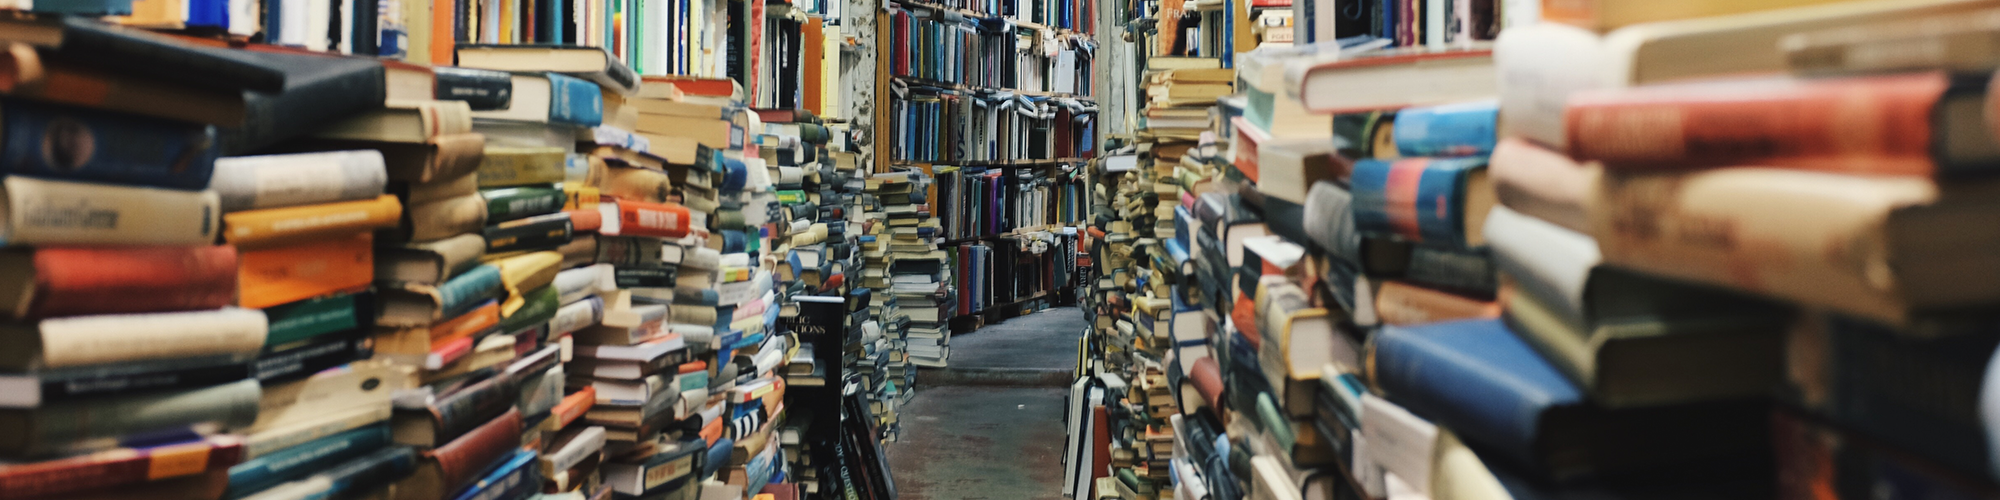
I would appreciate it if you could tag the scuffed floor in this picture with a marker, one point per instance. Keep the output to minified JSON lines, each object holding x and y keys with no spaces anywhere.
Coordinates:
{"x":995,"y":431}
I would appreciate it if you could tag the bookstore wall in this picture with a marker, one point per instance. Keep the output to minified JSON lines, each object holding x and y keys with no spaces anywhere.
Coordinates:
{"x":510,"y":249}
{"x":1512,"y":249}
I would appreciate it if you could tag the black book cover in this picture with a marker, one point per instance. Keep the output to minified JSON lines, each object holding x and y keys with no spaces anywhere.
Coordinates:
{"x":481,"y":89}
{"x":528,"y":234}
{"x":138,"y":52}
{"x":645,"y":277}
{"x":318,"y":90}
{"x":308,"y":357}
{"x":108,"y":380}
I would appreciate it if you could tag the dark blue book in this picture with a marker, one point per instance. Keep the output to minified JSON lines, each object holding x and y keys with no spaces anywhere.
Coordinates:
{"x":1489,"y":387}
{"x":80,"y":144}
{"x":517,"y":477}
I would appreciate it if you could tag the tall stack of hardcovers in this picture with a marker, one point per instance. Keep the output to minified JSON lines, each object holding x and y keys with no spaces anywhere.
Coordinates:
{"x":1620,"y":287}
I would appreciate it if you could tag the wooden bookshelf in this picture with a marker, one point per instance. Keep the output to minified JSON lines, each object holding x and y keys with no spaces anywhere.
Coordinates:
{"x":973,"y":13}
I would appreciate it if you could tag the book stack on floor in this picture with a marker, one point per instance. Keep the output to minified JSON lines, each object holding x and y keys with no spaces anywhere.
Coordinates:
{"x":919,"y":273}
{"x":899,"y":226}
{"x":1634,"y":299}
{"x":115,"y":215}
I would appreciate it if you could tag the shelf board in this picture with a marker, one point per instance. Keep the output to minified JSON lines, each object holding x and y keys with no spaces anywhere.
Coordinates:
{"x":964,"y":87}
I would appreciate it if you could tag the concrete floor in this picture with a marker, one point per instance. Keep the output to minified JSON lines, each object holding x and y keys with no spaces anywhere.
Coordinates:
{"x":990,"y":426}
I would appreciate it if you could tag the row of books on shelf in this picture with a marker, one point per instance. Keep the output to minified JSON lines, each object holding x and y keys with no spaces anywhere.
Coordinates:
{"x":683,"y":37}
{"x":948,"y":126}
{"x":496,"y":293}
{"x":1552,"y":293}
{"x":1071,"y":15}
{"x":946,"y":46}
{"x":979,"y":201}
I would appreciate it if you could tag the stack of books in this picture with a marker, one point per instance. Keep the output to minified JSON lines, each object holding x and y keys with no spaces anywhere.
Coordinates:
{"x":1605,"y":287}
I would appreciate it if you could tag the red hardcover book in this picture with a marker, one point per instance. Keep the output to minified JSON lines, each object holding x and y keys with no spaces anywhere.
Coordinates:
{"x":71,"y":281}
{"x":117,"y":467}
{"x":1896,"y":125}
{"x":662,"y":220}
{"x":713,"y":87}
{"x":449,"y":468}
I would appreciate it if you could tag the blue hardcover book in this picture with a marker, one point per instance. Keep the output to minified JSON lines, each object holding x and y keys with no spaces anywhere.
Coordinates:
{"x":1480,"y":380}
{"x":575,"y":101}
{"x":515,"y":478}
{"x":208,"y":13}
{"x":79,"y":144}
{"x":462,"y":292}
{"x":356,"y":475}
{"x":302,"y":460}
{"x":1184,"y":226}
{"x":1462,"y":129}
{"x":1421,"y":200}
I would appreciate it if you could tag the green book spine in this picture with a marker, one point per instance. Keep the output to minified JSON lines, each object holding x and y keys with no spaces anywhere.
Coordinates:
{"x":309,"y":318}
{"x":539,"y":307}
{"x":521,"y":202}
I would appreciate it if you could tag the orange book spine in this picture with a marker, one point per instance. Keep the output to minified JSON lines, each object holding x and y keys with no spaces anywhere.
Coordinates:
{"x":1866,"y":125}
{"x":813,"y":44}
{"x":465,"y":325}
{"x":310,"y":222}
{"x":289,"y":273}
{"x":663,"y":220}
{"x":573,"y":407}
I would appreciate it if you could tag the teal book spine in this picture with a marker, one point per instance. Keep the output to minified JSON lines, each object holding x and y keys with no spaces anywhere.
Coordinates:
{"x":575,"y":101}
{"x":303,"y":460}
{"x":468,"y":288}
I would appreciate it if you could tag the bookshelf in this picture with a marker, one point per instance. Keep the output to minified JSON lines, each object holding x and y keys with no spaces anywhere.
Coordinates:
{"x":427,"y":249}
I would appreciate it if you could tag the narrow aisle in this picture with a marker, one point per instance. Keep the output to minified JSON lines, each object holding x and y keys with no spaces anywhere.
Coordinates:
{"x":990,"y":426}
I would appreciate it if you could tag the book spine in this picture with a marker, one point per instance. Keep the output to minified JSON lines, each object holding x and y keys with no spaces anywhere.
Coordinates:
{"x":414,"y":194}
{"x":625,"y":251}
{"x":508,"y":204}
{"x":73,"y":281}
{"x":472,"y":406}
{"x":289,"y":273}
{"x":461,"y":460}
{"x":309,"y":357}
{"x":515,"y":477}
{"x":118,"y":467}
{"x":85,"y":384}
{"x":385,"y":466}
{"x":1763,"y":231}
{"x":1420,"y":199}
{"x":472,"y":286}
{"x":62,"y":142}
{"x":576,"y":316}
{"x":1404,"y":304}
{"x":105,"y":339}
{"x":534,"y":233}
{"x":446,"y":157}
{"x":574,"y":101}
{"x":517,"y":166}
{"x":298,"y":461}
{"x":252,"y":182}
{"x":49,"y":212}
{"x":637,"y":184}
{"x":312,"y":317}
{"x":1466,"y":129}
{"x":573,"y":407}
{"x":482,"y":90}
{"x":1466,"y":271}
{"x":68,"y":426}
{"x":1870,"y":125}
{"x":290,"y":224}
{"x":539,"y":306}
{"x":645,"y":277}
{"x":443,"y":219}
{"x":663,"y":220}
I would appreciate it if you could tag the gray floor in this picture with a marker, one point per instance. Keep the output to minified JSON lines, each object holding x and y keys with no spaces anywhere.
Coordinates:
{"x":1044,"y":340}
{"x":990,"y":426}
